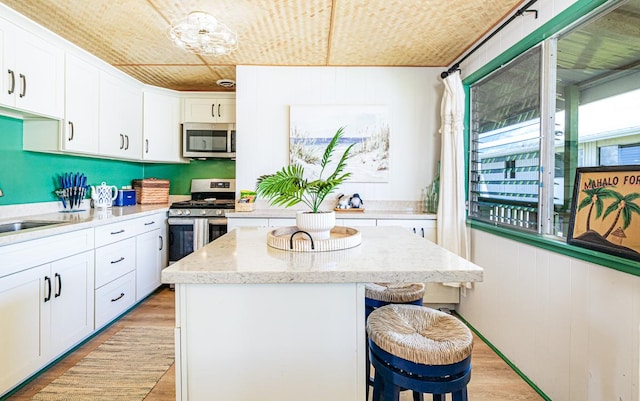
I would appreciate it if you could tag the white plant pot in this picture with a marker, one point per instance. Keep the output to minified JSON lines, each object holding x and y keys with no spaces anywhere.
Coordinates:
{"x":318,"y":225}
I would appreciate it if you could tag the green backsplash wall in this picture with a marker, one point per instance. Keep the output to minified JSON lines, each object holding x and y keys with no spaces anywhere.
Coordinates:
{"x":29,"y":177}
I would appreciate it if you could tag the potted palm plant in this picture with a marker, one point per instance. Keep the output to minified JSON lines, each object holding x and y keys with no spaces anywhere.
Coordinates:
{"x":288,"y":187}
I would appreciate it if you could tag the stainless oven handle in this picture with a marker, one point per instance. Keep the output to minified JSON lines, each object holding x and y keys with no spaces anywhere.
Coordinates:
{"x":180,"y":221}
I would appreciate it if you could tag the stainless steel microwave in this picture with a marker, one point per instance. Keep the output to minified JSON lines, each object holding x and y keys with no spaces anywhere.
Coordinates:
{"x":209,"y":140}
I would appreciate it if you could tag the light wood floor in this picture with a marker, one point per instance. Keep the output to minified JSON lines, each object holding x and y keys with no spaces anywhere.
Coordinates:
{"x":492,"y":379}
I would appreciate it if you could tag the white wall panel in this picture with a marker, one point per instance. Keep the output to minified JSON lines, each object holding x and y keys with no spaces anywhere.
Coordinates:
{"x":571,"y":326}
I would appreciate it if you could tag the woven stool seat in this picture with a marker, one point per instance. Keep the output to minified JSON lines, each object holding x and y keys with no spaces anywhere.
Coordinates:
{"x":418,"y":334}
{"x":394,"y":292}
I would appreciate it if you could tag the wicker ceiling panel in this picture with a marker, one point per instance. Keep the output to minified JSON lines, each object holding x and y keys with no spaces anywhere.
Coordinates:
{"x":131,"y":34}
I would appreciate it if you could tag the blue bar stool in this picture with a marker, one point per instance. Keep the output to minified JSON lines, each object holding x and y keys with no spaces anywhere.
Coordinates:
{"x":381,"y":294}
{"x":419,"y":349}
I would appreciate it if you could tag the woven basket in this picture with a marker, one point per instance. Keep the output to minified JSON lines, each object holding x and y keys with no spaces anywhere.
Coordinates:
{"x":244,"y":207}
{"x":151,"y":190}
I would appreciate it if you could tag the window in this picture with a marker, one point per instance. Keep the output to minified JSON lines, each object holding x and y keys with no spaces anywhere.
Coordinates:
{"x":596,"y":98}
{"x":505,"y":149}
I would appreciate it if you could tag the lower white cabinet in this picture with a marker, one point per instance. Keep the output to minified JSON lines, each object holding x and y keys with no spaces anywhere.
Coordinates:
{"x":47,"y":310}
{"x":149,"y":247}
{"x":55,"y":291}
{"x":114,"y":298}
{"x":129,"y":259}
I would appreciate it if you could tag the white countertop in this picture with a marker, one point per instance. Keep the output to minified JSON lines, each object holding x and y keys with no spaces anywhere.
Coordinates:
{"x":72,"y":221}
{"x":386,"y":254}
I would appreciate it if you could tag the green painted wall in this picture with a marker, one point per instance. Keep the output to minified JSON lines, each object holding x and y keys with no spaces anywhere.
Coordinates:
{"x":29,"y":177}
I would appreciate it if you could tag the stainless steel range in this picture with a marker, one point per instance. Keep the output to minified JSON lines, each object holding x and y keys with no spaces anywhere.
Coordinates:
{"x":196,"y":222}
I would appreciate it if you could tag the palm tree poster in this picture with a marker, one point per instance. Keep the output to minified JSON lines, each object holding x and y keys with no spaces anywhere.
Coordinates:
{"x":365,"y":126}
{"x":605,"y":211}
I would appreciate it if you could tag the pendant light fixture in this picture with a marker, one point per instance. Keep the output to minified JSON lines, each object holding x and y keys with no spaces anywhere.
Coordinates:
{"x":202,"y":33}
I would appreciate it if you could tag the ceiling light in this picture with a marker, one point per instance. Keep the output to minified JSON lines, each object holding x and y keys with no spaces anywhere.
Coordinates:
{"x":201,"y":33}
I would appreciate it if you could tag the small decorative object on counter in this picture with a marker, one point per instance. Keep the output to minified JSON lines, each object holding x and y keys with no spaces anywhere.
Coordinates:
{"x":355,"y":201}
{"x":103,"y":195}
{"x":73,"y":188}
{"x":346,"y":203}
{"x":151,"y":190}
{"x":246,"y":201}
{"x":343,"y":202}
{"x":432,"y":195}
{"x":126,"y":197}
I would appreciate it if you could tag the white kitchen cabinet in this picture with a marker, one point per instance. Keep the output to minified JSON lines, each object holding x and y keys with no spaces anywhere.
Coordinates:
{"x":282,"y":222}
{"x":81,"y":127}
{"x":209,"y":110}
{"x":424,"y":228}
{"x":161,"y":127}
{"x":134,"y":246}
{"x":21,"y":298}
{"x":355,"y":222}
{"x":71,"y":302}
{"x":47,"y":309}
{"x":33,"y":72}
{"x":246,"y":222}
{"x":149,"y":248}
{"x":120,"y":118}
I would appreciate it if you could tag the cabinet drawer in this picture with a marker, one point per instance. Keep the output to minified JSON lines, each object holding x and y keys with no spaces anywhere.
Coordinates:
{"x":111,"y":233}
{"x":115,"y":298}
{"x":150,"y":223}
{"x":114,"y":260}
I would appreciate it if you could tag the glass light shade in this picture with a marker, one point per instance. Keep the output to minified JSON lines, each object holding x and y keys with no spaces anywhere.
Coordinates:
{"x":201,"y":33}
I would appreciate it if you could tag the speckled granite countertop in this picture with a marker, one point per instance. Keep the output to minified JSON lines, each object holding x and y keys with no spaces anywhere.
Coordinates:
{"x":75,"y":221}
{"x":386,"y":254}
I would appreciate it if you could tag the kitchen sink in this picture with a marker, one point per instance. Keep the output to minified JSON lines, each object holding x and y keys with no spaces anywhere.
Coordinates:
{"x":25,"y":225}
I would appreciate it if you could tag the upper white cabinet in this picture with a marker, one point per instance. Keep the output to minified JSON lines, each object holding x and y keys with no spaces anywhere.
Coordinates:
{"x":32,"y":72}
{"x":209,"y":110}
{"x":120,"y":118}
{"x":82,"y":80}
{"x":161,"y":134}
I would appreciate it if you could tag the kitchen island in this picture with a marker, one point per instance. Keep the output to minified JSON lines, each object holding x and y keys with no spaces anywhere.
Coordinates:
{"x":254,"y":322}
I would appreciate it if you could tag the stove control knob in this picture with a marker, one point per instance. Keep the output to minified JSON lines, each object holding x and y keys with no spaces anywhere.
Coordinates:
{"x":203,"y":212}
{"x":219,"y":212}
{"x":178,"y":212}
{"x":187,"y":212}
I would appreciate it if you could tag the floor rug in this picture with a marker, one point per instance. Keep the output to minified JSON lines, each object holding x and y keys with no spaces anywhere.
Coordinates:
{"x":126,"y":367}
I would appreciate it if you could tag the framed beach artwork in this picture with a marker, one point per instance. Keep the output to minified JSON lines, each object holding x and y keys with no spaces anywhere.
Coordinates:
{"x":605,"y":210}
{"x":366,"y":126}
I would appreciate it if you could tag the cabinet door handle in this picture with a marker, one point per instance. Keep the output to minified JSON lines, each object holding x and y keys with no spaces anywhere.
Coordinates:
{"x":213,"y":110}
{"x":13,"y":82}
{"x":422,"y":229}
{"x":121,"y":141}
{"x":47,"y":296}
{"x":23,"y":78}
{"x":161,"y":242}
{"x":71,"y":133}
{"x":113,"y":262}
{"x":149,"y":223}
{"x":127,"y":146}
{"x":219,"y":109}
{"x":146,"y":146}
{"x":58,"y":284}
{"x":414,"y":230}
{"x":117,"y":232}
{"x":118,"y":297}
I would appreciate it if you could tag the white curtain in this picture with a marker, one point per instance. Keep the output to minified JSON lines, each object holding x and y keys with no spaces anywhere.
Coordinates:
{"x":452,"y":230}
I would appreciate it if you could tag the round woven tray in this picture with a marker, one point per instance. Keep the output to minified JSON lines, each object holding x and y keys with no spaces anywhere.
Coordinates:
{"x":341,"y":238}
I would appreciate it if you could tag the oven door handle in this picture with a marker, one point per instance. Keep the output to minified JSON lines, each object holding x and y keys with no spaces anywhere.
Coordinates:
{"x":217,"y":221}
{"x":180,"y":221}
